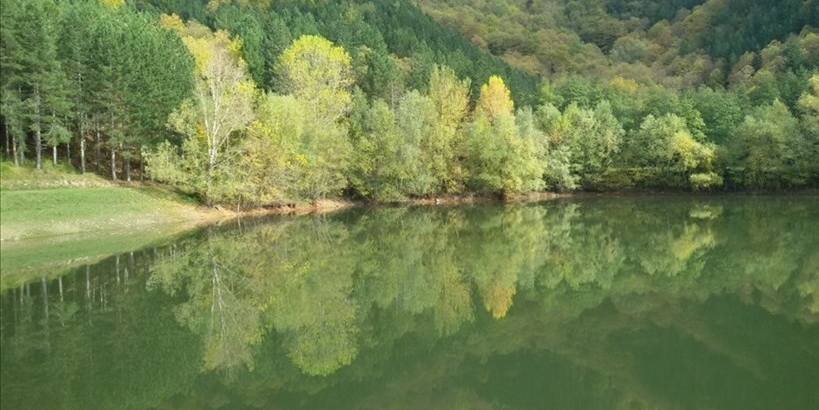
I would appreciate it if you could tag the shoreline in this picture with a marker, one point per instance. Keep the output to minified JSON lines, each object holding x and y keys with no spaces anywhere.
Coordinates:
{"x":194,"y":215}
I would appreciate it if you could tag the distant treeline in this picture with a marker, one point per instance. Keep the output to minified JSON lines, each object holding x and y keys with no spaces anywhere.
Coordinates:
{"x":272,"y":101}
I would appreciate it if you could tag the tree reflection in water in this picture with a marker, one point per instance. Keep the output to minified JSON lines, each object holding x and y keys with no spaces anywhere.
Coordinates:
{"x":643,"y":302}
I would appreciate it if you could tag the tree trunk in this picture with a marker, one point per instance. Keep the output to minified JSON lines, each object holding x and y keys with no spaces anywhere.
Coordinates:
{"x":82,"y":150}
{"x":126,"y":164}
{"x":20,"y":143}
{"x":113,"y":154}
{"x":97,"y":148}
{"x":209,"y":179}
{"x":54,"y":154}
{"x":113,"y":164}
{"x":39,"y":148}
{"x":22,"y":150}
{"x":38,"y":136}
{"x":8,"y":142}
{"x":13,"y":146}
{"x":67,"y":143}
{"x":14,"y":151}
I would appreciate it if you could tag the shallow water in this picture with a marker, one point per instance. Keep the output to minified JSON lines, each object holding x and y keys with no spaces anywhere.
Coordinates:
{"x":642,"y":302}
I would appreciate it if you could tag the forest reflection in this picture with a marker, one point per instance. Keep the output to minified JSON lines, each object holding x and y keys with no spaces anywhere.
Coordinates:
{"x":420,"y":296}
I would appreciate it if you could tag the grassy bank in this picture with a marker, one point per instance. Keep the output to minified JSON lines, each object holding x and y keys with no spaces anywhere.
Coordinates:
{"x":34,"y":213}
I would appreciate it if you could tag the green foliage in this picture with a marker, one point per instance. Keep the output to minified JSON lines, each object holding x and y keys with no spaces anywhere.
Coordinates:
{"x":450,"y":98}
{"x":721,"y":112}
{"x":319,"y":75}
{"x":670,"y":155}
{"x":497,"y":158}
{"x":674,"y":43}
{"x":272,"y":160}
{"x":485,"y":152}
{"x":376,"y":172}
{"x":326,"y":156}
{"x":165,"y":163}
{"x":435,"y":115}
{"x":421,"y":156}
{"x":769,"y":150}
{"x":583,"y":140}
{"x":89,"y":66}
{"x":809,"y":107}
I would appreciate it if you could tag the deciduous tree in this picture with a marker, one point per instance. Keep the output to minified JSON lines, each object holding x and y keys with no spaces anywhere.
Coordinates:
{"x":320,"y":74}
{"x":221,"y":107}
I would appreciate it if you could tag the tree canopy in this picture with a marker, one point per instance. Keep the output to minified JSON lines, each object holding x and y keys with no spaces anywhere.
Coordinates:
{"x":261,"y":103}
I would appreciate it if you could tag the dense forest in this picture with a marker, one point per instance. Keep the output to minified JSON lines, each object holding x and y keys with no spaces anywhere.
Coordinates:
{"x":271,"y":101}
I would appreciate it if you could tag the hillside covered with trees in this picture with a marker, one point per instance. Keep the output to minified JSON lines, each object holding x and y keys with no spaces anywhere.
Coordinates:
{"x":273,"y":101}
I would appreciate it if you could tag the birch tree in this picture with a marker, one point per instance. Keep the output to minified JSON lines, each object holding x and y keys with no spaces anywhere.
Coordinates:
{"x":221,"y":106}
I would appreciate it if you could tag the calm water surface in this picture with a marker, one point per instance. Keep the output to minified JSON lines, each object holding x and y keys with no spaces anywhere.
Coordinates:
{"x":655,"y":303}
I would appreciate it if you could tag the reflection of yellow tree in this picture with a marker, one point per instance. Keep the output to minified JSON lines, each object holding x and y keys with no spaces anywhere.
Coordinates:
{"x":672,"y":254}
{"x":318,"y":280}
{"x":311,"y":303}
{"x":505,"y":250}
{"x":219,"y":305}
{"x":497,"y":297}
{"x":319,"y":319}
{"x":407,"y":260}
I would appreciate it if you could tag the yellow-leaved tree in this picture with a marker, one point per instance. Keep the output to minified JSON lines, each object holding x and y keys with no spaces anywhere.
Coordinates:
{"x":494,"y":99}
{"x":221,"y":107}
{"x":320,"y":76}
{"x":497,"y":159}
{"x":113,"y":3}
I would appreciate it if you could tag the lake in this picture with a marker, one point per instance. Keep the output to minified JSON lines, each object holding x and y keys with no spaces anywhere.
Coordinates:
{"x":654,"y":302}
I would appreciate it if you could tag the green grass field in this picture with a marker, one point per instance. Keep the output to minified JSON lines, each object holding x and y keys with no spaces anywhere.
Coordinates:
{"x":26,"y":213}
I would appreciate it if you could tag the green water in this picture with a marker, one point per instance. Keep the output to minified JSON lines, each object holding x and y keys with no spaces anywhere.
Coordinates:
{"x":643,"y":302}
